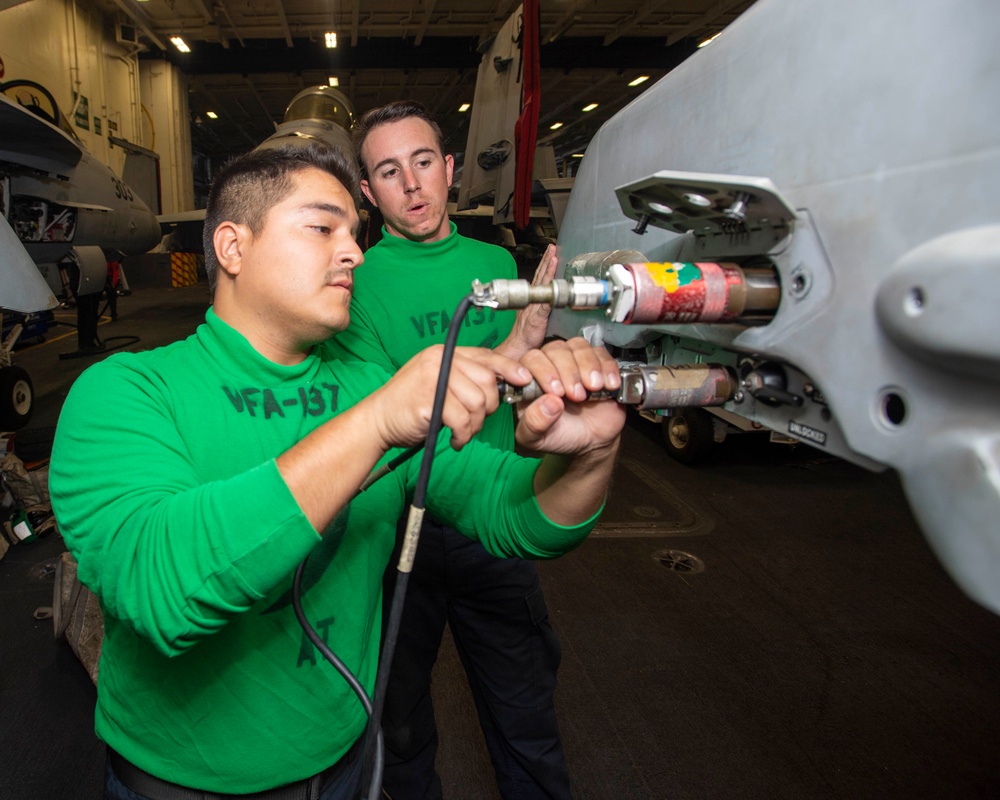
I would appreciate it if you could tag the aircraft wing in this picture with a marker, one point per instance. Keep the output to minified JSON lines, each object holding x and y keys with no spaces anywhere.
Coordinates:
{"x":31,"y":141}
{"x":22,"y":287}
{"x":180,"y":217}
{"x":852,"y":161}
{"x":185,"y":229}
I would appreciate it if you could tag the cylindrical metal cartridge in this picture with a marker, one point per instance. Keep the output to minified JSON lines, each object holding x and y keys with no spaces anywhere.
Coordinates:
{"x":652,"y":387}
{"x":684,"y":292}
{"x":682,"y":386}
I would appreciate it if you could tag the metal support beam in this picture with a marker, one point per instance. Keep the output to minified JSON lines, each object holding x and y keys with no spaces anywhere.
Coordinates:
{"x":446,"y":92}
{"x":284,"y":23}
{"x":205,"y":13}
{"x":573,"y":101}
{"x":569,"y":18}
{"x":229,"y":19}
{"x":642,"y":13}
{"x":424,"y":21}
{"x":260,"y":100}
{"x":355,"y":22}
{"x":710,"y":15}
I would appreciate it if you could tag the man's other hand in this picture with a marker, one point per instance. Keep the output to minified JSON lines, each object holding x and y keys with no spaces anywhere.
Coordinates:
{"x":563,"y":421}
{"x":531,"y":321}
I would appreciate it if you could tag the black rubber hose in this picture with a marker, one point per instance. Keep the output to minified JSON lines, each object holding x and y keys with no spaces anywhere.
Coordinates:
{"x":399,"y":594}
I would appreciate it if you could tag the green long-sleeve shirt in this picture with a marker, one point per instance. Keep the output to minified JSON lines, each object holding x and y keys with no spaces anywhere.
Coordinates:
{"x":405,"y":294}
{"x":164,"y":482}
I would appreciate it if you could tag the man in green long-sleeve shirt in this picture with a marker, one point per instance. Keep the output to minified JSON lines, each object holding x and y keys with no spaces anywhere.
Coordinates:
{"x":237,"y":452}
{"x":414,"y":278}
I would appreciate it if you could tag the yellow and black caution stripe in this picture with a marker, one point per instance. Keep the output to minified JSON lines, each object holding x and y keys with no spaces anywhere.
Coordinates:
{"x":183,"y":269}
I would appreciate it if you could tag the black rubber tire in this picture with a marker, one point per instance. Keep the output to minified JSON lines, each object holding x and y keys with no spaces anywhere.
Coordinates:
{"x":17,"y":398}
{"x":688,"y":435}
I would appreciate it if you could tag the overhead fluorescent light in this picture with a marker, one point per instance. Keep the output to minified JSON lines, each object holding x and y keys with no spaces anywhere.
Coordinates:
{"x":640,"y":79}
{"x":180,"y":44}
{"x":577,"y":155}
{"x":591,"y":107}
{"x":709,"y":39}
{"x":211,"y":115}
{"x":331,"y":39}
{"x":555,"y":126}
{"x":334,"y":80}
{"x":464,"y":107}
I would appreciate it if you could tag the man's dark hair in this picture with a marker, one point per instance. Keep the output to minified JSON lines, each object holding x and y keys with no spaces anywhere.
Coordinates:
{"x":392,"y":112}
{"x":249,"y":185}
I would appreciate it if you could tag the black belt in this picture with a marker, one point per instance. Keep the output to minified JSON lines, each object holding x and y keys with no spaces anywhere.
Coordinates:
{"x":142,"y":783}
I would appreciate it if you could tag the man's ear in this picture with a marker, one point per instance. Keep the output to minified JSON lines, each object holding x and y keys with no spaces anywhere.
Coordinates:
{"x":228,"y":241}
{"x":449,"y":165}
{"x":368,"y":192}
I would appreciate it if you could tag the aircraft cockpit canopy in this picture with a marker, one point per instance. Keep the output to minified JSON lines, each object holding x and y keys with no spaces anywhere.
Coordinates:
{"x":322,"y":103}
{"x":39,"y":101}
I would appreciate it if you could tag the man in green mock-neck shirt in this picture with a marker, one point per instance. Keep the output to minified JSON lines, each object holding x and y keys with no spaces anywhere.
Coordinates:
{"x":240,"y":450}
{"x":412,"y":283}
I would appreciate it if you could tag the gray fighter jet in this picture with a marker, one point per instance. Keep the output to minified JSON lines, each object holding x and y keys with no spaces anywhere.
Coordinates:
{"x":58,"y":206}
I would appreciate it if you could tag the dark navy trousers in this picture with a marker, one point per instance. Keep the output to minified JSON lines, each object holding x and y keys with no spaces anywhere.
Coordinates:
{"x":499,"y":622}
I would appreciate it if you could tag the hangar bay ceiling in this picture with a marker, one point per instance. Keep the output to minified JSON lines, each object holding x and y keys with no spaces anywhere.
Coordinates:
{"x":248,"y":58}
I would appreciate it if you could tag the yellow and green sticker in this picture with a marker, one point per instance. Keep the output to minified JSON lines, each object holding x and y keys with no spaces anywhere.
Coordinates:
{"x":672,"y":275}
